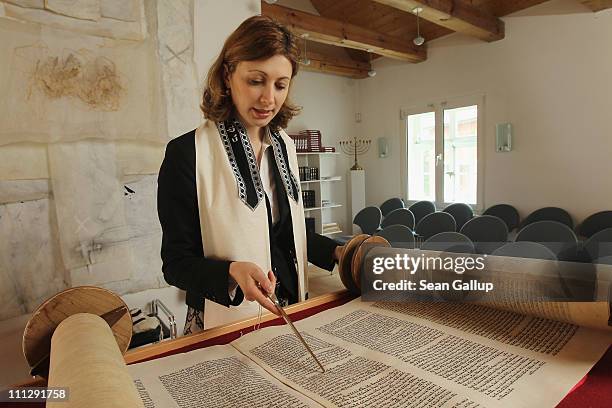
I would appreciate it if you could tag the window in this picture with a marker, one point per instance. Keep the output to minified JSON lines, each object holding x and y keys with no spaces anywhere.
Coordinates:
{"x":442,"y":150}
{"x":421,"y":139}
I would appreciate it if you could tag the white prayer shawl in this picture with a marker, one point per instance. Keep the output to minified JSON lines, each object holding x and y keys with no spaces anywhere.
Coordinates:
{"x":232,"y":206}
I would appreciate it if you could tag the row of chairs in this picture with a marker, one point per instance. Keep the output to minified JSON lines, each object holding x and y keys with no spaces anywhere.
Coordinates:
{"x":587,"y":228}
{"x":542,"y":240}
{"x":509,"y":214}
{"x":551,"y":227}
{"x":421,"y":217}
{"x":372,"y":218}
{"x":484,"y":234}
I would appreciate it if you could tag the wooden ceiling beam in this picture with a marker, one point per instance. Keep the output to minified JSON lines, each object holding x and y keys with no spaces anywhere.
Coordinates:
{"x":339,"y":33}
{"x":335,"y":65}
{"x":455,"y":15}
{"x":597,"y":5}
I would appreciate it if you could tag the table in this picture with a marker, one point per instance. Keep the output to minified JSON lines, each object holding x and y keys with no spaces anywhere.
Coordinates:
{"x":595,"y":390}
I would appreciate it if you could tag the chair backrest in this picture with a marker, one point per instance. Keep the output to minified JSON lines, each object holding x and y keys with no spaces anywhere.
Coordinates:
{"x":401,"y":216}
{"x":606,"y":260}
{"x":390,"y":205}
{"x":549,"y":214}
{"x":368,"y":219}
{"x":449,"y":242}
{"x":461,"y":212}
{"x":435,"y":223}
{"x":599,"y":245}
{"x":525,"y":249}
{"x":557,"y":237}
{"x":486,"y":232}
{"x":507,"y":213}
{"x":399,"y":236}
{"x":595,"y":223}
{"x":420,"y":209}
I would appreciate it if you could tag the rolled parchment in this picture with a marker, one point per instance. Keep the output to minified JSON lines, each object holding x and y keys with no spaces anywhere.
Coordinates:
{"x":86,"y":359}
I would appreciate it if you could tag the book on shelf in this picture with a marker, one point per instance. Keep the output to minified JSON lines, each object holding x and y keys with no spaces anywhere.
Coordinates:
{"x":331,"y":227}
{"x":308,"y":198}
{"x":309,"y":141}
{"x":309,"y":173}
{"x":321,"y":149}
{"x":313,"y":137}
{"x":327,"y":203}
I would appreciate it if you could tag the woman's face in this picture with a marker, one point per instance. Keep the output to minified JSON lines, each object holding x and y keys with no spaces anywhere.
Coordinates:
{"x":259,"y":89}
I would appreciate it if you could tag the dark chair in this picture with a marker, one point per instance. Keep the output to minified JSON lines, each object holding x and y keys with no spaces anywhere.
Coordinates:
{"x":390,"y":205}
{"x":462,"y":213}
{"x":420,"y":209}
{"x":449,"y":242}
{"x":595,"y":223}
{"x":557,"y":237}
{"x":599,"y":245}
{"x":486,"y":232}
{"x":525,"y":249}
{"x":401,"y":216}
{"x":435,"y":223}
{"x":368,"y":219}
{"x":605,"y":260}
{"x":399,"y":236}
{"x":507,"y":213}
{"x":549,"y":214}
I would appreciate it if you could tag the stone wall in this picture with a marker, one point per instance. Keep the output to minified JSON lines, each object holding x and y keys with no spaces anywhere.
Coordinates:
{"x":92,"y":91}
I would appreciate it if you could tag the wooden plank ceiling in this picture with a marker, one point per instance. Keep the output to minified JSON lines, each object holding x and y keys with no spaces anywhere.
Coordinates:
{"x":597,"y":5}
{"x":369,"y":29}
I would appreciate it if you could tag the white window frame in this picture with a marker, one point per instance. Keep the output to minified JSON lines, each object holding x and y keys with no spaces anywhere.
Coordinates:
{"x":438,"y":107}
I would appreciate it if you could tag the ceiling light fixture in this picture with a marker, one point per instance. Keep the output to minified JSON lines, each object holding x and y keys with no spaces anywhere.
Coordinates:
{"x":270,"y":1}
{"x":418,"y":40}
{"x":305,"y":59}
{"x":371,"y":72}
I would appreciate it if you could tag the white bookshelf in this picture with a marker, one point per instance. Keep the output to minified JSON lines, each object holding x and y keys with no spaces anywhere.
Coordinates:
{"x":323,"y":207}
{"x":326,"y":180}
{"x":318,"y":153}
{"x":325,"y":188}
{"x":329,"y":234}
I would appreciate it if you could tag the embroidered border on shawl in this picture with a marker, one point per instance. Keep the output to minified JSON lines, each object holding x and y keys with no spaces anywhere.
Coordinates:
{"x":232,"y":159}
{"x":291,"y":185}
{"x":246,"y":145}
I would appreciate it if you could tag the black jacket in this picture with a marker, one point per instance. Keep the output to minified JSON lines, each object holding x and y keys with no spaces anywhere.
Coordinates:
{"x":184,"y":263}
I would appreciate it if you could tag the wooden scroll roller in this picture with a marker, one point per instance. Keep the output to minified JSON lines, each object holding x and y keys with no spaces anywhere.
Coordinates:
{"x":351,"y":260}
{"x":76,"y":339}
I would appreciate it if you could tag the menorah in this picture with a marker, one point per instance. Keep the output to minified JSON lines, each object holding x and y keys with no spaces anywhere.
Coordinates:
{"x":355,"y":147}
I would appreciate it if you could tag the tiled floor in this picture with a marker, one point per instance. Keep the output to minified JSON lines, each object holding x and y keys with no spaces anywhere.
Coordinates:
{"x":321,"y":281}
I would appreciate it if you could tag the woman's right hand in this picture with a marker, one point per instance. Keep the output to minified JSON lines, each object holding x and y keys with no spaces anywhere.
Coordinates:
{"x":254,"y":282}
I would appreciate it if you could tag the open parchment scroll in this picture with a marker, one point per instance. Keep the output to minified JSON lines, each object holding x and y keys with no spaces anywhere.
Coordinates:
{"x":385,"y":355}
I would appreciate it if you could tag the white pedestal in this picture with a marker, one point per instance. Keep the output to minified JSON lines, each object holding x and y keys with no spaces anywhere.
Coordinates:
{"x":356,"y":194}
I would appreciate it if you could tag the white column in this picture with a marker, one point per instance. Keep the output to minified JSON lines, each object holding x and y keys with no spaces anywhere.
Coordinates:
{"x":356,"y":194}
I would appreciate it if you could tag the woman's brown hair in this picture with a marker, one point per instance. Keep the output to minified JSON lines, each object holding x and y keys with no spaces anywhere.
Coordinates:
{"x":258,"y":37}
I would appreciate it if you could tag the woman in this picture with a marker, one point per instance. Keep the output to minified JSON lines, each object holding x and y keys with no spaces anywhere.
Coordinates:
{"x":229,"y":201}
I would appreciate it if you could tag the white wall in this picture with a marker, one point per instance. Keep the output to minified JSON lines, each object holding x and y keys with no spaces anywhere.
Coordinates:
{"x":550,"y":77}
{"x":329,"y":104}
{"x":214,"y":21}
